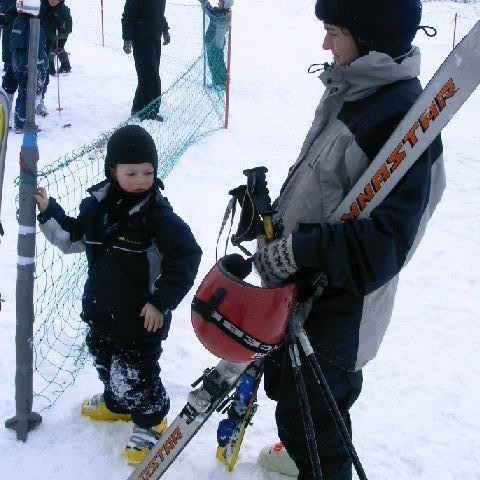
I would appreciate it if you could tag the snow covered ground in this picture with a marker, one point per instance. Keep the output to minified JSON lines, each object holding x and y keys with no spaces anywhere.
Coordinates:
{"x":418,"y":415}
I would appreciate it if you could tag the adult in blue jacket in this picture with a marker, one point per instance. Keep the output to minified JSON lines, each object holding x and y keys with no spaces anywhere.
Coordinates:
{"x":369,"y":87}
{"x":143,"y":24}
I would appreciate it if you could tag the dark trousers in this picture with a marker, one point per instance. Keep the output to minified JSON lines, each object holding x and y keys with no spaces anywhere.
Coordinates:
{"x":9,"y":81}
{"x":345,"y":387}
{"x":146,"y":53}
{"x":21,"y":74}
{"x":131,"y":376}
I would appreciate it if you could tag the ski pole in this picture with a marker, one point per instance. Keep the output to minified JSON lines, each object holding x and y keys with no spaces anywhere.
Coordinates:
{"x":303,"y":398}
{"x":299,"y":332}
{"x":59,"y":108}
{"x":257,"y":186}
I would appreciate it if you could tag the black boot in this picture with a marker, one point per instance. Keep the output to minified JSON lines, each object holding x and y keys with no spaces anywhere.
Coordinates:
{"x":65,"y":66}
{"x":51,"y":67}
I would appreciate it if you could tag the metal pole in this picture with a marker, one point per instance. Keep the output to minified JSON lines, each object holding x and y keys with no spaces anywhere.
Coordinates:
{"x":26,"y":420}
{"x":303,"y":398}
{"x":101,"y":14}
{"x":229,"y":59}
{"x":204,"y":51}
{"x":454,"y":30}
{"x":4,"y":114}
{"x":328,"y":397}
{"x":59,"y":107}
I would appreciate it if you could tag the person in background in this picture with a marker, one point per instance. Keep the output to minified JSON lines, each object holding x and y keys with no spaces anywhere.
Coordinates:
{"x":59,"y":20}
{"x":218,"y":26}
{"x":371,"y":85}
{"x":142,"y":260}
{"x":143,"y":24}
{"x":57,"y":23}
{"x":19,"y":43}
{"x":8,"y":13}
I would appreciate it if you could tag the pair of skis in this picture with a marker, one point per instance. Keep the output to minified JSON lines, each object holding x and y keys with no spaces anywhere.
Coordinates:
{"x":212,"y":395}
{"x":455,"y":80}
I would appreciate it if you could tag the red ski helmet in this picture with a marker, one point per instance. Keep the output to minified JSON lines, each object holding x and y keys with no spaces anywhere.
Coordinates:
{"x":235,"y":320}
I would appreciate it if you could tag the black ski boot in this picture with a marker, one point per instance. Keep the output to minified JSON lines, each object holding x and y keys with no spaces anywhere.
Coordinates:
{"x":65,"y":66}
{"x":51,"y":67}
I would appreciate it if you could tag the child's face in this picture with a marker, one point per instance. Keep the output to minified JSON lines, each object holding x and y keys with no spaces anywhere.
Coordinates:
{"x":53,"y":3}
{"x":135,"y":177}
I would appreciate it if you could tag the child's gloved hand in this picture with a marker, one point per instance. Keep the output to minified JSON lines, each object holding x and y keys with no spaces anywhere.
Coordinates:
{"x":275,"y":262}
{"x":153,"y":318}
{"x":127,"y":47}
{"x":166,"y":38}
{"x":41,"y":198}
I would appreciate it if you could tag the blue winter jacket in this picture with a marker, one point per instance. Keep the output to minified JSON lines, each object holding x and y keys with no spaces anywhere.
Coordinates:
{"x":147,"y":255}
{"x":19,"y":43}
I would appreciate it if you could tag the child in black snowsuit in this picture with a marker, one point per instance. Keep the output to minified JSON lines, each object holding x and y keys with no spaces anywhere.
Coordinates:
{"x":142,"y":260}
{"x":57,"y":23}
{"x":219,"y":23}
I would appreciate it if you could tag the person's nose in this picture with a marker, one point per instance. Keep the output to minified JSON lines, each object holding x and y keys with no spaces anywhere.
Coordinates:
{"x":327,"y":44}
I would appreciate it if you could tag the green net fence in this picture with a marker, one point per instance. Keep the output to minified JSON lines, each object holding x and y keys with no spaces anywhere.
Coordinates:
{"x":193,"y":102}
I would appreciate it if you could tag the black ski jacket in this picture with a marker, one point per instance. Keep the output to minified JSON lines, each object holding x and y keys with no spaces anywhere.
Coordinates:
{"x":147,"y":255}
{"x":143,"y":19}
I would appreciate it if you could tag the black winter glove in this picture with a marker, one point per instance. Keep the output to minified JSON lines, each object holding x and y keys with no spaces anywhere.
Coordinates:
{"x":166,"y":38}
{"x":127,"y":47}
{"x":275,"y":262}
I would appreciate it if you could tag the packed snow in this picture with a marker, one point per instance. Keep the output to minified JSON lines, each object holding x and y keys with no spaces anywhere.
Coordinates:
{"x":418,"y":415}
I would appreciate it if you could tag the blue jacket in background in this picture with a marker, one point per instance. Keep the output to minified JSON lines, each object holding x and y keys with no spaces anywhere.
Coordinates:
{"x":19,"y":40}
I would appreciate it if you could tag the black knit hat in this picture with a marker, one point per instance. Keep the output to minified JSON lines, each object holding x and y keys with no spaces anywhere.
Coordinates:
{"x":130,"y":144}
{"x":387,"y":26}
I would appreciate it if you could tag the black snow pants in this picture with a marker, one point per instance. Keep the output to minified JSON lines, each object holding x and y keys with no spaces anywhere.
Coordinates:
{"x":146,"y":53}
{"x":280,"y":386}
{"x":130,"y":374}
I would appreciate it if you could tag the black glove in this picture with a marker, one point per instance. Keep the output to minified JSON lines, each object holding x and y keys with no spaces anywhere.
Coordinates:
{"x":166,"y":38}
{"x":275,"y":262}
{"x":127,"y":47}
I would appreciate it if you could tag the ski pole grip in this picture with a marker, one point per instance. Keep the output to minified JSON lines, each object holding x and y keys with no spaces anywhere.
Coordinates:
{"x":257,"y":187}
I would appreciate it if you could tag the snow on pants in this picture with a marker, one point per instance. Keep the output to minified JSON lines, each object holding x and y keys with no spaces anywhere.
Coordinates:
{"x":280,"y":386}
{"x":131,"y":376}
{"x":21,"y":74}
{"x":146,"y":53}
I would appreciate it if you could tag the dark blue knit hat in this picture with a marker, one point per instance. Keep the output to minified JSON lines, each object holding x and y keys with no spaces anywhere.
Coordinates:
{"x":387,"y":26}
{"x":130,"y":144}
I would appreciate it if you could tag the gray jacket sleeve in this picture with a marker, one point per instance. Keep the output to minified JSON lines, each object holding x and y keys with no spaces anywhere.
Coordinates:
{"x":51,"y":222}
